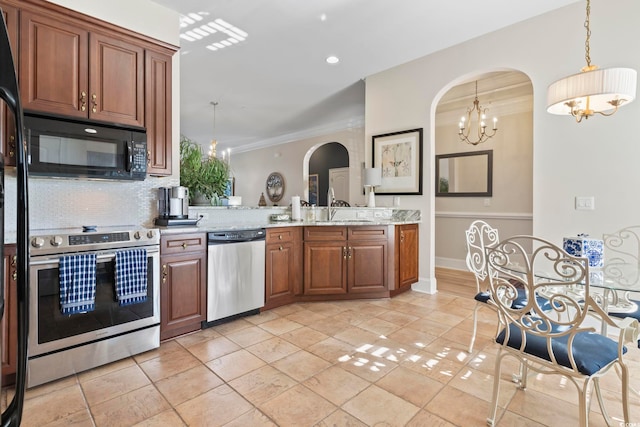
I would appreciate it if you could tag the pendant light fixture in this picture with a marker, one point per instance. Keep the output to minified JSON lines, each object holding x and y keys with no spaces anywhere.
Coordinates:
{"x":593,"y":90}
{"x":465,"y":127}
{"x":214,"y":143}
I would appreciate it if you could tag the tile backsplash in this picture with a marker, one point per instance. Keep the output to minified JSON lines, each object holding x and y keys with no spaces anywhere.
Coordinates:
{"x":63,"y":203}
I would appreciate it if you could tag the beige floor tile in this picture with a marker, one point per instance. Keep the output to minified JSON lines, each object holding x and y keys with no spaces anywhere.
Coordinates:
{"x":188,"y":384}
{"x":297,"y":406}
{"x":262,"y":384}
{"x":398,"y":318}
{"x":329,"y":326}
{"x":212,"y":349}
{"x":235,"y":364}
{"x":336,"y":385}
{"x":130,"y":408}
{"x":429,"y":326}
{"x":273,"y":349}
{"x":449,"y":350}
{"x":357,"y":336}
{"x":216,"y":407}
{"x":352,"y":317}
{"x":249,"y":336}
{"x":265,"y":316}
{"x":253,"y":418}
{"x":327,"y":309}
{"x":286,"y":310}
{"x":304,"y":337}
{"x":444,"y":317}
{"x":169,"y":364}
{"x":427,"y":419}
{"x":406,"y":384}
{"x":48,"y":387}
{"x":379,"y":326}
{"x":367,"y":366}
{"x":113,"y":384}
{"x":79,"y":419}
{"x":412,"y":338}
{"x":340,"y":418}
{"x":164,"y":419}
{"x":433,"y":366}
{"x":107,"y":369}
{"x":480,"y":385}
{"x":332,"y":350}
{"x":558,"y":412}
{"x":54,"y":406}
{"x":231,"y":327}
{"x":375,"y":406}
{"x":301,"y":365}
{"x":197,"y":337}
{"x":280,"y":326}
{"x":468,"y":410}
{"x":164,"y":349}
{"x":306,"y":317}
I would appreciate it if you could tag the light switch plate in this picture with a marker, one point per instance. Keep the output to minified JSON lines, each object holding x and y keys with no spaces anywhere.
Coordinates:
{"x":585,"y":203}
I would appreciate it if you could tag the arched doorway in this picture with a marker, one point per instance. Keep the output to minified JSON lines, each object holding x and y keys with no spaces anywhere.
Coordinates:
{"x":330,"y":160}
{"x":509,"y":96}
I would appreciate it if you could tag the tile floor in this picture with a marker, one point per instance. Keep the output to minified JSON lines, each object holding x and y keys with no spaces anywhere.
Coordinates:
{"x":390,"y":362}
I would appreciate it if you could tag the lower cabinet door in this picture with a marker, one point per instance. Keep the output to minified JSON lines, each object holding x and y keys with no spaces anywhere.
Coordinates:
{"x":280,"y":271}
{"x":183,"y":297}
{"x":325,"y":268}
{"x":367,"y":267}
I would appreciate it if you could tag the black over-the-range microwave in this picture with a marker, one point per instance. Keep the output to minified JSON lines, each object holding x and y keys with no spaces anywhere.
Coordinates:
{"x":67,"y":148}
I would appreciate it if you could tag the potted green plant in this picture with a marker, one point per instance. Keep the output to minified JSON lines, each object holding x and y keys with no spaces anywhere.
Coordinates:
{"x":204,"y":176}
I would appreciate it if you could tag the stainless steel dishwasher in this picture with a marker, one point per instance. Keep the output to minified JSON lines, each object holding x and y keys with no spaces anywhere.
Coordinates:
{"x":235,"y":274}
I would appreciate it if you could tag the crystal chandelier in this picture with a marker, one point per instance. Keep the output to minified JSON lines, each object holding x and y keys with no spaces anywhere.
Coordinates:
{"x":464,"y":127}
{"x":593,"y":90}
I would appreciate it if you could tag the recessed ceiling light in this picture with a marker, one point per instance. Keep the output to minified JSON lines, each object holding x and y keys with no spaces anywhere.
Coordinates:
{"x":332,"y":59}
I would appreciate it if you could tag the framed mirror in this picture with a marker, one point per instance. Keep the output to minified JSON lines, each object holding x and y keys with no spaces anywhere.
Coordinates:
{"x":467,"y":174}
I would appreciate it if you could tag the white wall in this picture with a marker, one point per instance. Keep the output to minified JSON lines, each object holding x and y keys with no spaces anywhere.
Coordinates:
{"x":252,"y":168}
{"x":596,"y":158}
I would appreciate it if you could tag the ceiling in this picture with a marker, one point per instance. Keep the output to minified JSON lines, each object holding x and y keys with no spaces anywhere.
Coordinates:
{"x":272,"y":83}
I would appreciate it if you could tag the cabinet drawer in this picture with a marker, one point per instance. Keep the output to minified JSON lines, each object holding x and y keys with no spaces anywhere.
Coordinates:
{"x":325,"y":233}
{"x":368,"y":233}
{"x":281,"y":235}
{"x":180,"y":243}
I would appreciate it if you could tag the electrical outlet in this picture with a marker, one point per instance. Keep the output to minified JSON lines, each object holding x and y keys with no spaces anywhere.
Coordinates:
{"x":361,"y":214}
{"x":585,"y":203}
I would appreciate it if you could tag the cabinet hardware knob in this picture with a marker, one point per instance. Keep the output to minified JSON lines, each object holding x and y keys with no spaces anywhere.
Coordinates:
{"x":280,"y":248}
{"x":164,"y":273}
{"x":14,"y":276}
{"x":83,"y":101}
{"x":344,"y":252}
{"x":402,"y":236}
{"x":12,"y":146}
{"x":148,"y":157}
{"x":14,"y":260}
{"x":349,"y":253}
{"x":280,"y":236}
{"x":94,"y":103}
{"x":184,"y":245}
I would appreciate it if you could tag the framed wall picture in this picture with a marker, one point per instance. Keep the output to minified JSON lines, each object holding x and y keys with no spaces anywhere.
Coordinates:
{"x":313,"y":189}
{"x":399,"y":155}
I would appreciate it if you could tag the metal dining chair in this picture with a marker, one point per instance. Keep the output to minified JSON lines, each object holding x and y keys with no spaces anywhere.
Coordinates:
{"x":554,"y":338}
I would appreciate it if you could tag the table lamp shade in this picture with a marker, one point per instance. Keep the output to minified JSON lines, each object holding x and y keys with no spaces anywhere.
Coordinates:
{"x":372,"y":176}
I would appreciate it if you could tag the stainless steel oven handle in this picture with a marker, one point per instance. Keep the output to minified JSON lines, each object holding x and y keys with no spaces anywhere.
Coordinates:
{"x":55,"y":259}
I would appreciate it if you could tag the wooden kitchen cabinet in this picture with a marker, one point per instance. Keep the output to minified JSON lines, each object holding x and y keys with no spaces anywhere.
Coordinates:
{"x":10,"y":317}
{"x":283,"y":267}
{"x":7,"y":121}
{"x":406,"y":257}
{"x":345,"y":260}
{"x":183,"y":287}
{"x":158,"y":111}
{"x":68,"y":70}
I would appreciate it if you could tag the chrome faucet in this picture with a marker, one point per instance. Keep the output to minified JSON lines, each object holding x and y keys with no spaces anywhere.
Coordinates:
{"x":331,"y":198}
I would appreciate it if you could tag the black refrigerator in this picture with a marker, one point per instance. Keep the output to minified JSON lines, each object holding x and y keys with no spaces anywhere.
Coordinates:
{"x":10,"y":94}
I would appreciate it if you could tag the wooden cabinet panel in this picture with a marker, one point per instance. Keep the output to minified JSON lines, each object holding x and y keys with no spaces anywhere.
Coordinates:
{"x":325,"y":233}
{"x":7,"y":121}
{"x":9,"y":319}
{"x":116,"y":80}
{"x":408,"y":255}
{"x":325,"y":268}
{"x":158,"y":114}
{"x":283,"y":269}
{"x":183,"y":293}
{"x":366,"y":266}
{"x":367,"y":233}
{"x":54,"y":59}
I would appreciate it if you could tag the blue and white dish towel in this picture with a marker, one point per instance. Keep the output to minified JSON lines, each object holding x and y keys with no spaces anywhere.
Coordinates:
{"x":77,"y":275}
{"x":131,"y":276}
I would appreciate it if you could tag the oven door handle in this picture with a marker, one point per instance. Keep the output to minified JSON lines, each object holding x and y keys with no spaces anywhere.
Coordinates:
{"x":99,"y":258}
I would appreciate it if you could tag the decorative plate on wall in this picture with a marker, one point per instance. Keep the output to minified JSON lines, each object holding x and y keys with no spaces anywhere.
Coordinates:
{"x":275,"y":187}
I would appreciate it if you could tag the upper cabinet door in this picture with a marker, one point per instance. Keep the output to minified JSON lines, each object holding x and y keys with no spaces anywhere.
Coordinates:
{"x":116,"y":81}
{"x":158,"y":115}
{"x":53,"y":66}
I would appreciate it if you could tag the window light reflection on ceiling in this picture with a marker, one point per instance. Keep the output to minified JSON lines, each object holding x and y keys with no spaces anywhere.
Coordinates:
{"x":234,"y":35}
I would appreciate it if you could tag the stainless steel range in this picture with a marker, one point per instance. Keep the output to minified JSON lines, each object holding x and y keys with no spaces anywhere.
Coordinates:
{"x":64,"y":344}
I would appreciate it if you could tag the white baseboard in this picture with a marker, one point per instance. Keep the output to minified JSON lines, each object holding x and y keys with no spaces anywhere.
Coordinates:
{"x":453,"y":263}
{"x":426,"y":286}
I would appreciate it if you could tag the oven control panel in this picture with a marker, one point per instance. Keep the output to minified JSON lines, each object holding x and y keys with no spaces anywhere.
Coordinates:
{"x":57,"y":242}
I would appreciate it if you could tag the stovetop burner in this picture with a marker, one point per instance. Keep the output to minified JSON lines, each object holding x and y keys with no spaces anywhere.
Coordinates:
{"x":91,"y":238}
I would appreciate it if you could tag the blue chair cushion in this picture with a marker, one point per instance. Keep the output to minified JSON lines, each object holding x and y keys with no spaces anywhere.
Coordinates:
{"x":519,"y":303}
{"x":633,"y":314}
{"x":591,"y":351}
{"x":482,"y":297}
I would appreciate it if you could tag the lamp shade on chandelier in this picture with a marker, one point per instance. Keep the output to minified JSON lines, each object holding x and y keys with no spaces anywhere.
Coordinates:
{"x":593,"y":90}
{"x":480,"y":133}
